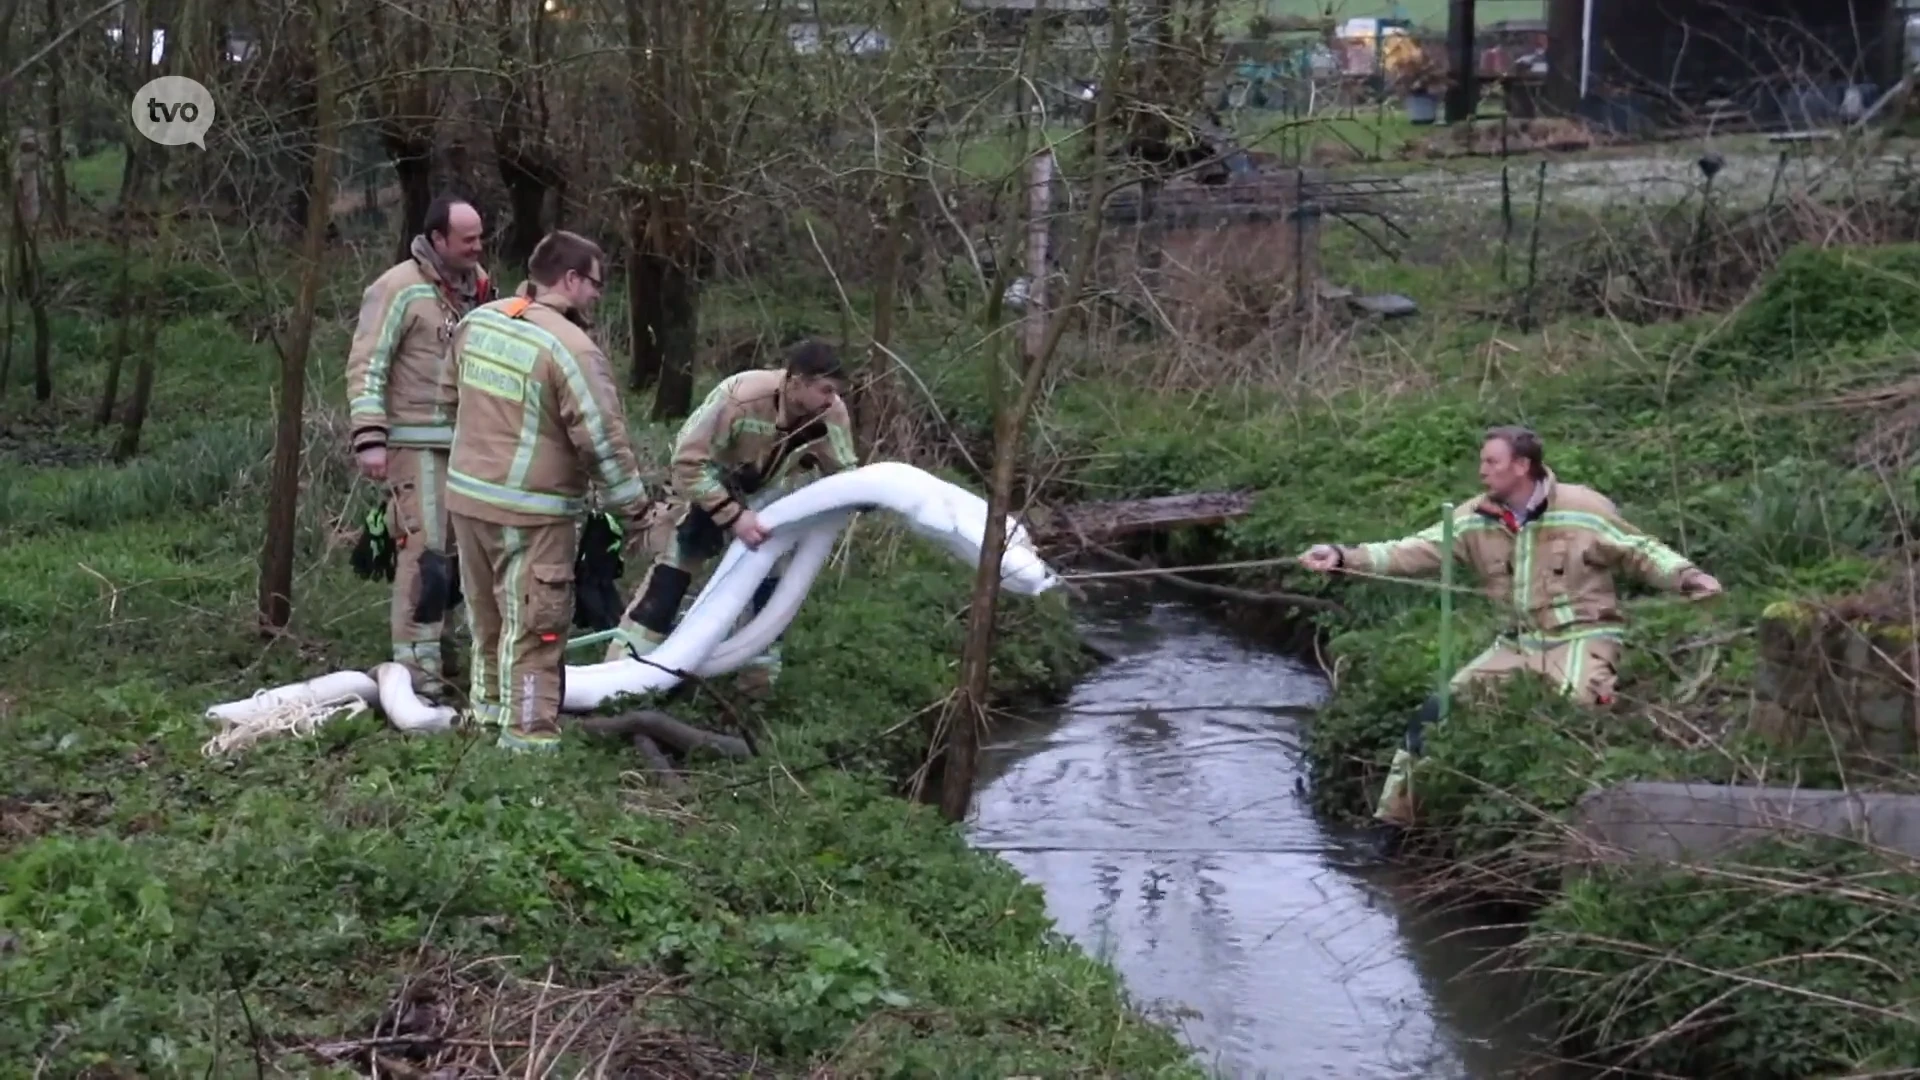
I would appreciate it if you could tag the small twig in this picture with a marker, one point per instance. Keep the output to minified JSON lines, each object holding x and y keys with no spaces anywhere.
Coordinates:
{"x":1225,"y":592}
{"x":1142,"y":570}
{"x":352,"y":1048}
{"x":253,"y":1029}
{"x":396,"y":1068}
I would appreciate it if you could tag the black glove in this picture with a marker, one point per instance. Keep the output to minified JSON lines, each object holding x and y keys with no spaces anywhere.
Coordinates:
{"x":438,"y":587}
{"x":596,"y":574}
{"x":374,"y":555}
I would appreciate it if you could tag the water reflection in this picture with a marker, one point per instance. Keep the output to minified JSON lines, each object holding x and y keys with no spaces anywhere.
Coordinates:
{"x":1162,"y":812}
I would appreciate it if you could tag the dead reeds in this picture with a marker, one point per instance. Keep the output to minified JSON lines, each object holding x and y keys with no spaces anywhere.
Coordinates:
{"x":1694,"y":256}
{"x":1791,"y":958}
{"x":474,"y":1020}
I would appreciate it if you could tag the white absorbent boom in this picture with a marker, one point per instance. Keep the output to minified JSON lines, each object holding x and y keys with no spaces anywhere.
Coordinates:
{"x":805,"y":523}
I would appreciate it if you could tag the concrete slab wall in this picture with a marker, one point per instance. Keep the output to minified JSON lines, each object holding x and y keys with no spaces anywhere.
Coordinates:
{"x":1670,"y":822}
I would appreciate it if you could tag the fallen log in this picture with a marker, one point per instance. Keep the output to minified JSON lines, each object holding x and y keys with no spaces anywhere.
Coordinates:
{"x":659,"y":764}
{"x":664,"y":730}
{"x":1097,"y":523}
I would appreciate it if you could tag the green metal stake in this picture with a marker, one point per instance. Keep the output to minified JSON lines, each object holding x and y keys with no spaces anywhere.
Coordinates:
{"x":1446,"y":605}
{"x":597,"y":638}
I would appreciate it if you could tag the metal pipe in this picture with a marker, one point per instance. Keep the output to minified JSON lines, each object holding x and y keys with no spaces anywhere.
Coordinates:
{"x":1446,"y":604}
{"x":1586,"y":47}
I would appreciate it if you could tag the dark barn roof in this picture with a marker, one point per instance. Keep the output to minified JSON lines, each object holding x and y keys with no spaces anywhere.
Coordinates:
{"x":1669,"y":55}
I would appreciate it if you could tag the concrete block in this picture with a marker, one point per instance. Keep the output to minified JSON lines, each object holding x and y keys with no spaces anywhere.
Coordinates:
{"x":1672,"y":822}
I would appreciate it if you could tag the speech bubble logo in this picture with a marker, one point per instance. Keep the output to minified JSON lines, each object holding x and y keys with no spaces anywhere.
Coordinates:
{"x":173,"y":110}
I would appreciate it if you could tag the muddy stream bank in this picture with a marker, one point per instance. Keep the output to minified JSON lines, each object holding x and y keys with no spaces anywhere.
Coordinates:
{"x":1163,"y":810}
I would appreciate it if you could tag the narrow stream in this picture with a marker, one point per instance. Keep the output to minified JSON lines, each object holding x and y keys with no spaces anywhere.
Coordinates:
{"x":1163,"y":809}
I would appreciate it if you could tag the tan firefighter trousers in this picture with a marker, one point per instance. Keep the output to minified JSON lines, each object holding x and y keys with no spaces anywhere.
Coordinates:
{"x":518,"y":581}
{"x":1582,"y":668}
{"x":417,"y":521}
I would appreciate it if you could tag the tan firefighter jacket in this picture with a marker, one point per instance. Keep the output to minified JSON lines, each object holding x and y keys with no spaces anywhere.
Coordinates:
{"x":539,"y":416}
{"x":400,"y":383}
{"x":743,"y":440}
{"x":1551,"y":568}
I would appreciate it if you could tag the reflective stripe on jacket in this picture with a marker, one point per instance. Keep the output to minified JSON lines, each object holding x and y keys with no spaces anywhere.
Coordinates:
{"x":539,"y":417}
{"x":1551,"y":568}
{"x":400,"y":382}
{"x":742,"y":432}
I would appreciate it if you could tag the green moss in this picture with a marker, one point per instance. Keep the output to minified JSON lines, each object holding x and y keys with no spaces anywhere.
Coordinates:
{"x":1887,"y":632}
{"x":1792,"y":612}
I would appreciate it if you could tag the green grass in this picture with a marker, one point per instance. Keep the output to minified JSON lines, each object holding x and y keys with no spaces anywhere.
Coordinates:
{"x":96,"y":177}
{"x":178,"y":915}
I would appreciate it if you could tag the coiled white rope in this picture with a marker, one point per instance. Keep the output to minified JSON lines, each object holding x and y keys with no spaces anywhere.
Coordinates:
{"x":297,"y":718}
{"x":804,"y":523}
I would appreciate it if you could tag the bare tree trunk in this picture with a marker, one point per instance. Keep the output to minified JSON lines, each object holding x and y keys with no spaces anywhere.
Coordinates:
{"x":123,"y":330}
{"x":56,"y":131}
{"x":123,"y":323}
{"x":676,"y":48}
{"x":276,"y":553}
{"x":671,"y":319}
{"x":413,"y":170}
{"x":968,"y":712}
{"x":9,"y":284}
{"x":181,"y":22}
{"x":643,"y":370}
{"x":526,"y":206}
{"x":25,"y":200}
{"x":135,"y":419}
{"x":878,"y":403}
{"x":1039,"y":227}
{"x":136,"y":47}
{"x":529,"y":168}
{"x":42,"y":332}
{"x":879,"y":407}
{"x":9,"y":268}
{"x":407,"y":109}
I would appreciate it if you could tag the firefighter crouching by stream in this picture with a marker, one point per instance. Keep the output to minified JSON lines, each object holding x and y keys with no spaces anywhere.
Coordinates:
{"x":401,"y":399}
{"x":539,"y":417}
{"x":1546,"y":552}
{"x":755,"y":438}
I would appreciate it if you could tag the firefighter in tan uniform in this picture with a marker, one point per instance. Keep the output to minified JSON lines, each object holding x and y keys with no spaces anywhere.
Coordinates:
{"x":401,"y":398}
{"x":756,"y":437}
{"x":540,"y":417}
{"x":1545,"y":551}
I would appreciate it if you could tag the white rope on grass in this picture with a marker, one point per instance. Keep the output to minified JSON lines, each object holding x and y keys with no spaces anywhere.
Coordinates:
{"x":301,"y":719}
